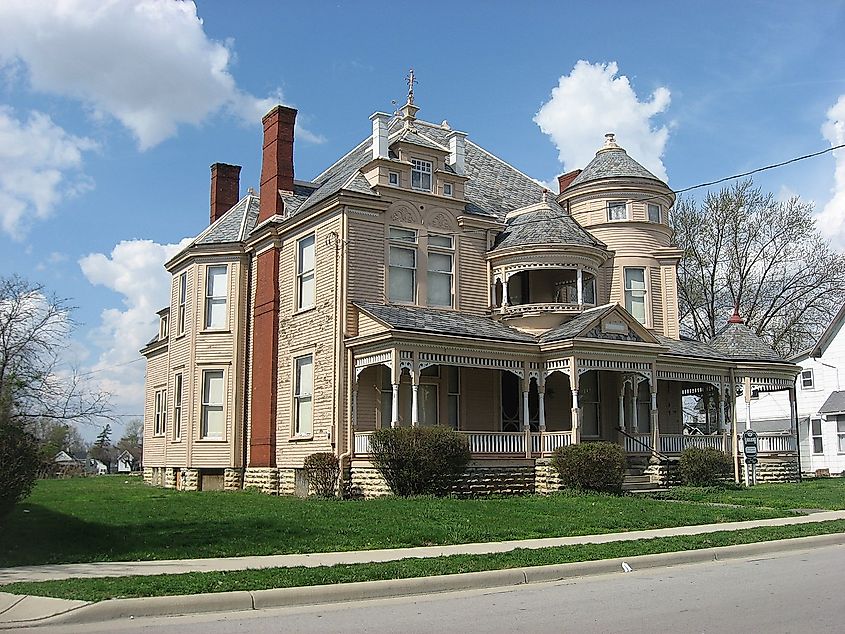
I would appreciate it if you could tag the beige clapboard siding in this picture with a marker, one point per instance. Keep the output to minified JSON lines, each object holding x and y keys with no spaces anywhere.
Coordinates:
{"x":627,"y":239}
{"x":670,"y":289}
{"x":368,"y":326}
{"x":309,"y":332}
{"x":480,"y":389}
{"x":156,"y":379}
{"x":369,"y":399}
{"x":472,"y":287}
{"x":366,"y":265}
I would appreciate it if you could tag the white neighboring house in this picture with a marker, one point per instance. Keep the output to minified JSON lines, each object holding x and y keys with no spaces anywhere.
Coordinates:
{"x":126,"y":462}
{"x":64,"y":458}
{"x":820,"y":390}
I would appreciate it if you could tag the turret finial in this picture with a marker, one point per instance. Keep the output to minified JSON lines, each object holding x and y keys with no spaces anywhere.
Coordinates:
{"x":735,"y":318}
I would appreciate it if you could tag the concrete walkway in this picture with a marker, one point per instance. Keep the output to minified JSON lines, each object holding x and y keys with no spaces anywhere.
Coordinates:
{"x":176,"y":566}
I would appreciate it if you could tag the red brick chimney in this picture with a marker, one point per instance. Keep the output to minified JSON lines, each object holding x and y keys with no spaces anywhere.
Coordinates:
{"x":225,"y":189}
{"x":564,"y":180}
{"x":277,"y":160}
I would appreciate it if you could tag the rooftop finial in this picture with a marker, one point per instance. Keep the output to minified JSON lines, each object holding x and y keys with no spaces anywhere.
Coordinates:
{"x":610,"y":140}
{"x":545,"y":197}
{"x":735,"y":318}
{"x":411,"y":81}
{"x":409,"y":110}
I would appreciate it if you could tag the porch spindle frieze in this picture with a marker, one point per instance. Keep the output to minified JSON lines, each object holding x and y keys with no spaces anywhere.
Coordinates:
{"x":427,"y":359}
{"x":690,"y":377}
{"x":379,"y":358}
{"x":586,"y":365}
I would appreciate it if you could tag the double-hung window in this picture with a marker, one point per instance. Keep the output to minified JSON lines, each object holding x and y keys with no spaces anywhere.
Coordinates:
{"x":212,"y":404}
{"x":635,"y":293}
{"x":163,"y":327}
{"x":440,"y":269}
{"x":305,"y":273}
{"x":177,"y":406}
{"x":421,"y":175}
{"x":183,"y":297}
{"x":304,"y":384}
{"x":653,"y":212}
{"x":215,"y":296}
{"x":840,"y":433}
{"x":816,"y":434}
{"x":617,"y":210}
{"x":403,"y":265}
{"x":807,"y":379}
{"x":160,"y":414}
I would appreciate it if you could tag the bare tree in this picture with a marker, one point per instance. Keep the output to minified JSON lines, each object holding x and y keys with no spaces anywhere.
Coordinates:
{"x":744,"y":248}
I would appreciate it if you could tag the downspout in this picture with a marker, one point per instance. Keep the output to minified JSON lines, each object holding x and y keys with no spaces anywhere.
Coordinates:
{"x":247,"y":360}
{"x":343,"y":257}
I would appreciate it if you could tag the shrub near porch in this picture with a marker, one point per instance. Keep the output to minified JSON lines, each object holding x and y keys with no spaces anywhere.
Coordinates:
{"x":106,"y":519}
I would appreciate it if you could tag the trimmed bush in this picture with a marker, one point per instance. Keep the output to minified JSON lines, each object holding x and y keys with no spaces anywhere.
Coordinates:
{"x":419,"y":460}
{"x":323,"y":470}
{"x":704,"y":467}
{"x":19,"y":464}
{"x":591,"y":466}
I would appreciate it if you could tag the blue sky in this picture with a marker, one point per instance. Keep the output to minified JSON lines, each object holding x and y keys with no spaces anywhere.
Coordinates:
{"x":112,"y":111}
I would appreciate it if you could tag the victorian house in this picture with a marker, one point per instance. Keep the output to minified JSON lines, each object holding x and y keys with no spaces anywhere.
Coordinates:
{"x":421,"y":280}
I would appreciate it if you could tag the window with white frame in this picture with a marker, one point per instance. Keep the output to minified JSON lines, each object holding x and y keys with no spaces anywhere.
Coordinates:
{"x":617,"y":210}
{"x":215,"y":296}
{"x":447,"y":189}
{"x":840,"y":433}
{"x":440,"y":269}
{"x":402,"y":280}
{"x":305,"y":284}
{"x":421,"y":175}
{"x":393,"y":178}
{"x":807,"y":382}
{"x":454,"y":389}
{"x":653,"y":212}
{"x":816,"y":434}
{"x":635,"y":293}
{"x":183,"y":298}
{"x":160,"y":412}
{"x":212,"y":424}
{"x":163,"y":327}
{"x":177,"y":406}
{"x":304,"y":386}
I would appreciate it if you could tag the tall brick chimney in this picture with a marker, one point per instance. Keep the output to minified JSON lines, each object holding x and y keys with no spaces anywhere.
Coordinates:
{"x":277,"y":160}
{"x":225,"y":189}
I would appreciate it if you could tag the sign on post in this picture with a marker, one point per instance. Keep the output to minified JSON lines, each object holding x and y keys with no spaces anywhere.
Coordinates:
{"x":749,"y":449}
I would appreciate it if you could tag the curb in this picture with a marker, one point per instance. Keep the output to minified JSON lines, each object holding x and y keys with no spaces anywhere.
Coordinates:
{"x":314,"y":595}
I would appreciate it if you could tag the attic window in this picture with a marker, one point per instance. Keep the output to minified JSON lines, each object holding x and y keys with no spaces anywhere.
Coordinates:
{"x":447,"y":189}
{"x":807,"y":382}
{"x":421,"y":175}
{"x":393,"y":178}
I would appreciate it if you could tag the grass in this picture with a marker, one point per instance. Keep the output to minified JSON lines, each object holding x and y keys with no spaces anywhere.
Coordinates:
{"x":99,"y":589}
{"x":817,"y":493}
{"x":115,"y":519}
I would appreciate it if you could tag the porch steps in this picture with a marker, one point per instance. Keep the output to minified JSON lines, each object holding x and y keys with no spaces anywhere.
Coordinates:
{"x":639,"y":483}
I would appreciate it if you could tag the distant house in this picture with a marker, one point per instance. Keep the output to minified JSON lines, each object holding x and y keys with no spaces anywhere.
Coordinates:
{"x":126,"y":462}
{"x":95,"y":467}
{"x":63,"y":458}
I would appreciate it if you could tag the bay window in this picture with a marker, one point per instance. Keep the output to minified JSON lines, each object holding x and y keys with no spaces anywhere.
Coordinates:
{"x":212,"y":423}
{"x":305,"y":285}
{"x":635,"y":293}
{"x":183,"y":296}
{"x":177,"y":406}
{"x":215,"y":296}
{"x":440,"y":264}
{"x":160,"y":413}
{"x":403,"y":265}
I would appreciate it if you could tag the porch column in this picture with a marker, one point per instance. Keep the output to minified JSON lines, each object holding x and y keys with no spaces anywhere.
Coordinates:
{"x":721,"y":405}
{"x":734,"y":440}
{"x":541,"y":396}
{"x":580,"y":285}
{"x":505,"y":299}
{"x":576,"y":416}
{"x":415,"y":412}
{"x":394,"y":406}
{"x":793,"y":416}
{"x":635,"y":410}
{"x":622,"y":406}
{"x":655,"y":423}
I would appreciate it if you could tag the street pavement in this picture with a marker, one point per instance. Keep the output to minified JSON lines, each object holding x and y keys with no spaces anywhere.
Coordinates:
{"x":798,"y":591}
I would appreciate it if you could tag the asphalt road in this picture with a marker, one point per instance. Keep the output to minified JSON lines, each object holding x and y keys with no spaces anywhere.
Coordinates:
{"x":793,"y":592}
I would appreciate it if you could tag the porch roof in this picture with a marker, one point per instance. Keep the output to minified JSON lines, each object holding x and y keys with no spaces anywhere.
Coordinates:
{"x":445,"y":322}
{"x":738,"y":342}
{"x":690,"y":348}
{"x":835,"y":403}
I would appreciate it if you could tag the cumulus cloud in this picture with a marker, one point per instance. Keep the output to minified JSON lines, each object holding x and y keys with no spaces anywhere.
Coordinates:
{"x":40,"y":164}
{"x":831,"y":219}
{"x":147,"y":63}
{"x":591,"y":101}
{"x":134,"y":270}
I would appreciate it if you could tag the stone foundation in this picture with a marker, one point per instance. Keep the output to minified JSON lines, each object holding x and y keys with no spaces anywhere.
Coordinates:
{"x":148,"y":476}
{"x":233,"y":479}
{"x":663,"y":474}
{"x":546,"y":478}
{"x":780,"y":469}
{"x":265,"y":479}
{"x":169,"y":478}
{"x":287,"y":482}
{"x":366,"y":481}
{"x":190,"y":480}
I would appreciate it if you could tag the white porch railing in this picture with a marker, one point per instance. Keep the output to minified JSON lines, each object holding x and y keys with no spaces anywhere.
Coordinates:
{"x":775,"y":443}
{"x":638,"y":443}
{"x":493,"y":443}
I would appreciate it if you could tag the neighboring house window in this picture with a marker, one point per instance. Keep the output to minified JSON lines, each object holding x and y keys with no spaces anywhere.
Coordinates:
{"x":177,"y":406}
{"x":807,"y":379}
{"x":816,"y":433}
{"x":447,"y":189}
{"x":183,"y":296}
{"x":403,"y":265}
{"x":454,"y":380}
{"x":393,"y":178}
{"x":635,"y":293}
{"x":215,"y":296}
{"x":653,"y":212}
{"x":304,"y":368}
{"x":617,"y":210}
{"x":160,"y":417}
{"x":305,"y":273}
{"x":440,"y":267}
{"x":212,"y":404}
{"x":162,"y":328}
{"x":421,"y":175}
{"x":840,"y":432}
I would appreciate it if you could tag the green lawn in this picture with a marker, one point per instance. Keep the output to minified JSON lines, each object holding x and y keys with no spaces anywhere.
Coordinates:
{"x":817,"y":493}
{"x":111,"y":518}
{"x":100,"y":589}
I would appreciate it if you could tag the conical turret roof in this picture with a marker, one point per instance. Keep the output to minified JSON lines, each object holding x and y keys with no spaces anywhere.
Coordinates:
{"x":612,"y":161}
{"x":738,"y":341}
{"x":544,"y":223}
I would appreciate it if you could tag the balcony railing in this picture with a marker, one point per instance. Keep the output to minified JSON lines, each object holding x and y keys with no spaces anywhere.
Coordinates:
{"x":522,"y":310}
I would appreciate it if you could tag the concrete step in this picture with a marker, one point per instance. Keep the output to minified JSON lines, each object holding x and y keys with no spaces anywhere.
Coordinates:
{"x":637,"y":479}
{"x":634,"y":471}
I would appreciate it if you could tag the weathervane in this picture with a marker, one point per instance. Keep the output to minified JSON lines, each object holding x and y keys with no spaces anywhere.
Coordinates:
{"x":411,"y":81}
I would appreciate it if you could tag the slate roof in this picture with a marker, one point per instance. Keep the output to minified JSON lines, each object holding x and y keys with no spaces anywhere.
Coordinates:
{"x":612,"y":162}
{"x":234,"y":225}
{"x":737,"y":341}
{"x":573,"y":327}
{"x":834,"y":403}
{"x":444,"y":322}
{"x":549,"y":225}
{"x":412,"y":136}
{"x":686,"y":347}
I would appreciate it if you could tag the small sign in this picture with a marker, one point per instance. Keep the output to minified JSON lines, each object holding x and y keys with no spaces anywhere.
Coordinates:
{"x":750,"y":460}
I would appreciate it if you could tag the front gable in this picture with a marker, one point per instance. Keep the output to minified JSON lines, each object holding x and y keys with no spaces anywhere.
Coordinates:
{"x":617,"y":325}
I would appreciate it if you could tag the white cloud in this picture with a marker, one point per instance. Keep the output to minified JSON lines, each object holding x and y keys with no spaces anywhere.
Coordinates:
{"x":592,"y":101}
{"x":37,"y":159}
{"x":831,"y":219}
{"x":134,"y":270}
{"x":147,"y":63}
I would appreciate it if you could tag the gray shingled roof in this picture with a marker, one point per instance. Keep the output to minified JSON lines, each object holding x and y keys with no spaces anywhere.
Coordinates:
{"x":444,"y":322}
{"x":573,"y":327}
{"x":737,"y":341}
{"x":834,"y":403}
{"x":410,"y":135}
{"x":550,"y":225}
{"x":612,"y":163}
{"x":686,"y":347}
{"x":232,"y":226}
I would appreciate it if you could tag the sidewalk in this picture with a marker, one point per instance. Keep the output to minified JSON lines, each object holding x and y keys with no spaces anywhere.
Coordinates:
{"x":176,"y":566}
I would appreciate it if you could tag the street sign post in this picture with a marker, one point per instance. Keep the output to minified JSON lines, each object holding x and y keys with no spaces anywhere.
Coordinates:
{"x":749,"y":449}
